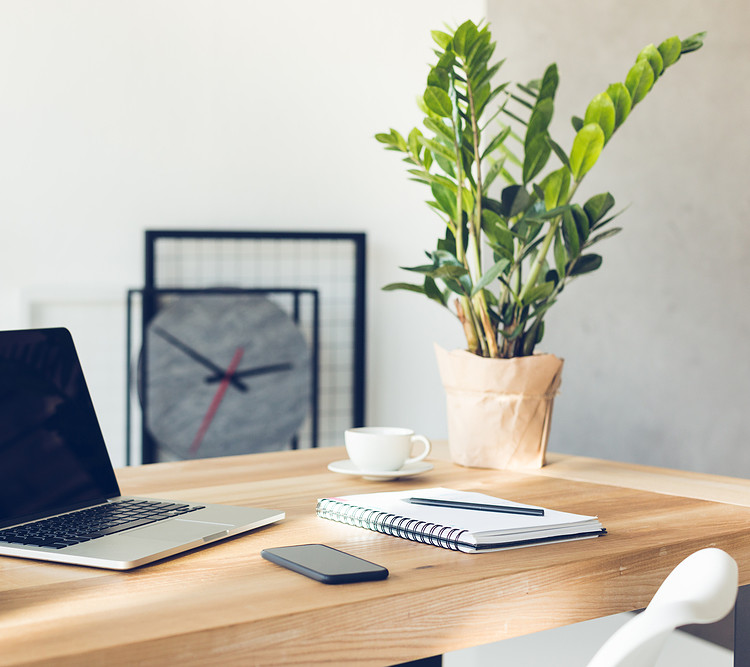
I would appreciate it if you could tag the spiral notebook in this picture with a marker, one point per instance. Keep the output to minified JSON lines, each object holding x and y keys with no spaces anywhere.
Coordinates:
{"x":470,"y":531}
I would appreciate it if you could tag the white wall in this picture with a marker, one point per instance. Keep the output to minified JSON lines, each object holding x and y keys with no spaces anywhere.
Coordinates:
{"x":121,"y":116}
{"x":656,"y":342}
{"x":116,"y":117}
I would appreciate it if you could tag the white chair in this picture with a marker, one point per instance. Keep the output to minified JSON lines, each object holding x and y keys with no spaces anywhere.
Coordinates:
{"x":701,"y":589}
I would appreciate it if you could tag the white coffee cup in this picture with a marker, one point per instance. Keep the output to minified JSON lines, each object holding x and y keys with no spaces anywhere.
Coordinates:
{"x":383,"y":448}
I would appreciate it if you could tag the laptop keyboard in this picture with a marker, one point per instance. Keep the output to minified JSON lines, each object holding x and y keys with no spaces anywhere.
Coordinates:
{"x":68,"y":529}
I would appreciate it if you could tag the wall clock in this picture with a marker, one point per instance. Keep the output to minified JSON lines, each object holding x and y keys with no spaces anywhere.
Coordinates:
{"x":223,"y":374}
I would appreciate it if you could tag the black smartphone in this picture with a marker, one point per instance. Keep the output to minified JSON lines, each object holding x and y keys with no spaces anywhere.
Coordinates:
{"x":324,"y":563}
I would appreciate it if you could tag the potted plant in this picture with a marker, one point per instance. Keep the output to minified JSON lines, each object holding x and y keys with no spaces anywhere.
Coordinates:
{"x":514,"y":234}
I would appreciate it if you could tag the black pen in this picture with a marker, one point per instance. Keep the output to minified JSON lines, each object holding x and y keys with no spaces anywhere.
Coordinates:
{"x":481,"y":507}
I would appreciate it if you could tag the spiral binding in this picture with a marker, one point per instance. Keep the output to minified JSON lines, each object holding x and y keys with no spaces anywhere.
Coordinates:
{"x":391,"y":524}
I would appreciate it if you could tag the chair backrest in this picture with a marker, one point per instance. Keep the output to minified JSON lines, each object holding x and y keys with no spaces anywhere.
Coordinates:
{"x":701,"y":589}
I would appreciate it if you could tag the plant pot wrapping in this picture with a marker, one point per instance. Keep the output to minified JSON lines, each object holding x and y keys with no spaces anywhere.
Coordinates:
{"x":499,"y":410}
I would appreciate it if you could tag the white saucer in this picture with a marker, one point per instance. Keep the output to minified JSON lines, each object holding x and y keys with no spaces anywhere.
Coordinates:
{"x":346,"y":467}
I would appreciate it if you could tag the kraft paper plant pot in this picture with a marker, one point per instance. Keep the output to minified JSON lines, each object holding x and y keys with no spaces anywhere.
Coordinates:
{"x":499,"y":410}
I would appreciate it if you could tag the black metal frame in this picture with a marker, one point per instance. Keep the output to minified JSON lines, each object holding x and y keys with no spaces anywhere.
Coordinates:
{"x":149,"y":309}
{"x":358,"y":241}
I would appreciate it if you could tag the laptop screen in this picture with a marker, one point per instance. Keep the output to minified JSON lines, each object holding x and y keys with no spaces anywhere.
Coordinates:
{"x":52,"y":454}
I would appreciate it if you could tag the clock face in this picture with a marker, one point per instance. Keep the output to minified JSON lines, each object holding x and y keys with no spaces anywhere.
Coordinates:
{"x":224,"y":374}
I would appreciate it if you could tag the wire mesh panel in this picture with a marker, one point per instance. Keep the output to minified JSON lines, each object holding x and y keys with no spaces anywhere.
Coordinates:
{"x":331,"y":263}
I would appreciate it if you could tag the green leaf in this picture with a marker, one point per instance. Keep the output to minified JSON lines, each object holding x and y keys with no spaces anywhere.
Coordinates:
{"x":445,"y":164}
{"x":550,"y":81}
{"x":449,"y":271}
{"x":496,"y":141}
{"x":528,"y":232}
{"x":491,"y":275}
{"x":570,"y":234}
{"x":538,"y":293}
{"x":596,"y":207}
{"x":582,"y":222}
{"x":601,"y":110}
{"x":540,"y":120}
{"x":670,"y":50}
{"x":464,"y":38}
{"x":447,"y":60}
{"x":510,"y":155}
{"x":427,"y":177}
{"x":445,"y":199}
{"x":447,"y":252}
{"x":515,"y":199}
{"x":531,"y":88}
{"x":603,"y":236}
{"x":577,"y":123}
{"x":498,"y":234}
{"x":693,"y":43}
{"x":556,"y":186}
{"x":432,"y":291}
{"x":561,"y":257}
{"x":652,"y":55}
{"x":442,"y":39}
{"x":439,"y":78}
{"x":533,"y":336}
{"x":438,"y":101}
{"x":537,"y":155}
{"x":620,"y":97}
{"x":461,"y":286}
{"x":467,"y":200}
{"x":486,"y":77}
{"x":425,"y":269}
{"x":480,"y":54}
{"x":586,"y":264}
{"x":481,"y":97}
{"x":404,"y":286}
{"x":552,"y":213}
{"x":639,"y":80}
{"x":480,"y":51}
{"x":414,"y":144}
{"x":561,"y":154}
{"x":394,"y":139}
{"x":437,"y":148}
{"x":439,"y":127}
{"x":587,"y":146}
{"x":384,"y":138}
{"x":491,"y":174}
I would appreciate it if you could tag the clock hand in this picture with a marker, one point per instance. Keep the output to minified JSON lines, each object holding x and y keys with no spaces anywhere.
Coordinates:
{"x":190,"y":352}
{"x":259,"y":370}
{"x":218,"y":396}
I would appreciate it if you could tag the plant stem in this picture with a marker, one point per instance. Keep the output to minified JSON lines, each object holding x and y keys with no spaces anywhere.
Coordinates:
{"x":464,"y":306}
{"x":469,"y":329}
{"x":475,"y":227}
{"x":536,"y":267}
{"x":542,"y":254}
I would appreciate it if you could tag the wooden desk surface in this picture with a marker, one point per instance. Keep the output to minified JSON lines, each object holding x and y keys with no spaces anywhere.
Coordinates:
{"x":225,"y":605}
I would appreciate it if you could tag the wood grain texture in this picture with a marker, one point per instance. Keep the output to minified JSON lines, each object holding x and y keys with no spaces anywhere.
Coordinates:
{"x":225,"y":605}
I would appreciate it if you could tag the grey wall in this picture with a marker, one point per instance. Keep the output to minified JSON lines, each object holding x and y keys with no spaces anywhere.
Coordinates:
{"x":655,"y":342}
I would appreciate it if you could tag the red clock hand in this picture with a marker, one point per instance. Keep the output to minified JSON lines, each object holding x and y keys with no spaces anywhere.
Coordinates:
{"x":218,"y":396}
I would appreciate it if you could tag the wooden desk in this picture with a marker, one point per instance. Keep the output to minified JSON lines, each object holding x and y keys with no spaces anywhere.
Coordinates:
{"x":225,"y":605}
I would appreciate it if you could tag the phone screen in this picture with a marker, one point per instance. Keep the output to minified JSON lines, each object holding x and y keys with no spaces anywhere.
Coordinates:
{"x":324,"y":563}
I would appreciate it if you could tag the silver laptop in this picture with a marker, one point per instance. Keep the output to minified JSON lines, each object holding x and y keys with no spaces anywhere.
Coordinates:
{"x":59,"y":498}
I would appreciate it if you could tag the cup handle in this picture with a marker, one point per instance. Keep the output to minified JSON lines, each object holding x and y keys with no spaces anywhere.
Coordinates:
{"x":427,"y":449}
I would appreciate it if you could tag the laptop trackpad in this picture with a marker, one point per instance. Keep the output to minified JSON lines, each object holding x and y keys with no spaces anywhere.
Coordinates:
{"x":183,"y":530}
